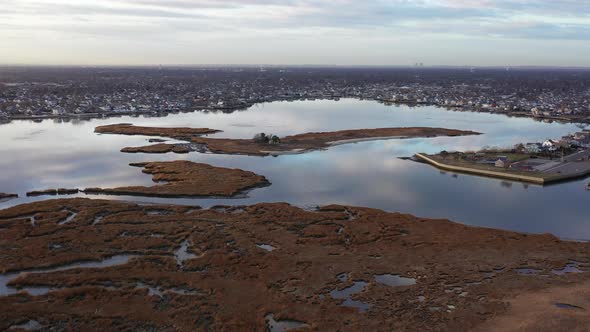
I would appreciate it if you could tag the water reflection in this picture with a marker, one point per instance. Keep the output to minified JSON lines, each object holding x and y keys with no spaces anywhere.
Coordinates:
{"x":69,"y":155}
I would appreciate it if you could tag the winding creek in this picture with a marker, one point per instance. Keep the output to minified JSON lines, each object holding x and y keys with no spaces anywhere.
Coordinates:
{"x":5,"y":279}
{"x":56,"y":154}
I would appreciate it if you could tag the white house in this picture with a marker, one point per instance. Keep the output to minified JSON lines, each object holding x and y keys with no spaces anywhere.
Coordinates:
{"x":550,"y":145}
{"x":532,"y":147}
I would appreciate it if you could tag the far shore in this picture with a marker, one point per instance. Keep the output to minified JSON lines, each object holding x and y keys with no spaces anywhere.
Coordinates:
{"x":164,"y":113}
{"x":4,"y":196}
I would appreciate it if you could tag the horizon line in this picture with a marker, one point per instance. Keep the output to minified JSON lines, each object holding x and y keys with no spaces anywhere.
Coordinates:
{"x":5,"y":65}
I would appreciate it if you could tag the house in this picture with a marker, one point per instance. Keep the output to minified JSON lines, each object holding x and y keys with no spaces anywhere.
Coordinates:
{"x":532,"y":147}
{"x":574,"y":144}
{"x":58,"y":110}
{"x":502,"y":162}
{"x":583,"y":138}
{"x":550,"y":145}
{"x":580,"y":136}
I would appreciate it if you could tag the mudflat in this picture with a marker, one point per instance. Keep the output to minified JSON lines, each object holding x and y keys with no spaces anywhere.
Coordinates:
{"x":158,"y":148}
{"x":177,"y":133}
{"x":322,"y":140}
{"x":188,"y":179}
{"x":163,"y":267}
{"x":292,"y":144}
{"x":178,"y":179}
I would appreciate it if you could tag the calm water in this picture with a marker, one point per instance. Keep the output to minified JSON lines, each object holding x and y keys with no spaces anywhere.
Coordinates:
{"x":53,"y":154}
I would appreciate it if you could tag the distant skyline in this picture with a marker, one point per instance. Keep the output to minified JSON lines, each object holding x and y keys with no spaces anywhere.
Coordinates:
{"x":296,"y":32}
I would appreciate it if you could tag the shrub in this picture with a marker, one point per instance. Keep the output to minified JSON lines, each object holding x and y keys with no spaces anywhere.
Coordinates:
{"x":261,"y":138}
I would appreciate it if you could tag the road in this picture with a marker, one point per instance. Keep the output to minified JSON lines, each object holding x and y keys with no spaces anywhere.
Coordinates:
{"x":571,"y":164}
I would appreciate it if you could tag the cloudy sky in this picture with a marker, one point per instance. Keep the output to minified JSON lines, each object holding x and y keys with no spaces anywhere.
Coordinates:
{"x":340,"y":32}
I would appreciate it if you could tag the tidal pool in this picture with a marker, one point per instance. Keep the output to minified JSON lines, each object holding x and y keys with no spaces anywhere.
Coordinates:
{"x":394,"y":280}
{"x":68,"y":154}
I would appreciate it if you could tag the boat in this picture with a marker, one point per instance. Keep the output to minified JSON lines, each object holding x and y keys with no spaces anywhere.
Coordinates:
{"x":588,"y":186}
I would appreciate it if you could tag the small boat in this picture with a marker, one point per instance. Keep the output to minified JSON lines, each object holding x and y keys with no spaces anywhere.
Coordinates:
{"x":588,"y":186}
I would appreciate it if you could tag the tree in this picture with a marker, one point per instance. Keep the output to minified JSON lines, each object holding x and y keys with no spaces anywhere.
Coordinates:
{"x":261,"y":138}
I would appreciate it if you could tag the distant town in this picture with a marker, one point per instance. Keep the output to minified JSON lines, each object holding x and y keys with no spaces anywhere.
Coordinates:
{"x":52,"y":92}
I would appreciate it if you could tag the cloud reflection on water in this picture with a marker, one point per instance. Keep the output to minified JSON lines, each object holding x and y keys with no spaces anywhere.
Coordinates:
{"x":363,"y":174}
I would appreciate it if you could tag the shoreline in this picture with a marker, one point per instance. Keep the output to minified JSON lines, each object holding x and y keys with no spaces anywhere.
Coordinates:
{"x":539,"y":180}
{"x":315,"y":141}
{"x":186,"y":179}
{"x":285,"y":153}
{"x":7,"y":197}
{"x":177,"y":179}
{"x":159,"y":113}
{"x":179,"y":133}
{"x":368,"y":139}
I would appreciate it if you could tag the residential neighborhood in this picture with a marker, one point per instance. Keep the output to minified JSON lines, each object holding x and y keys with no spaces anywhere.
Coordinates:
{"x":547,"y":95}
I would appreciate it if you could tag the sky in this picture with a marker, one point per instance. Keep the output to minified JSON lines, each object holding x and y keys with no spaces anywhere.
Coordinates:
{"x":296,"y":32}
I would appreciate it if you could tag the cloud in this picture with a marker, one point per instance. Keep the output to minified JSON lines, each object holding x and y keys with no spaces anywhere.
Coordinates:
{"x":295,"y":14}
{"x":183,"y":23}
